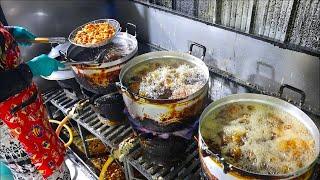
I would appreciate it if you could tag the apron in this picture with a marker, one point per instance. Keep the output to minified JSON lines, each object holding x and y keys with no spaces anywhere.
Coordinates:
{"x":26,"y":117}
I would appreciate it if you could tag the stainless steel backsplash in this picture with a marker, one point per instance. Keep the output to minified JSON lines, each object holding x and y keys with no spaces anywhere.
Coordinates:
{"x":248,"y":58}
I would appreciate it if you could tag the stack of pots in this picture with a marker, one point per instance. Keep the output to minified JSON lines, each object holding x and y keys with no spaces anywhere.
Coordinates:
{"x":159,"y":122}
{"x":98,"y":80}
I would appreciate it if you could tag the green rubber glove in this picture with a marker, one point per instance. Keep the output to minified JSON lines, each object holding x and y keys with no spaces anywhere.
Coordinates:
{"x":22,"y":33}
{"x":43,"y":65}
{"x":5,"y":173}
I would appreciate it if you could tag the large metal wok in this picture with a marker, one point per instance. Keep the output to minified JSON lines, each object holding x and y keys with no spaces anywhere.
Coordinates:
{"x":215,"y":166}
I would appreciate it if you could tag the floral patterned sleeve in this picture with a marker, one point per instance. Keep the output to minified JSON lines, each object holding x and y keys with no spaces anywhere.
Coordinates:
{"x":14,"y":76}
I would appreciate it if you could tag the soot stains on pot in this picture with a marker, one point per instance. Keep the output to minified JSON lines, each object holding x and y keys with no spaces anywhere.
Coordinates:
{"x":179,"y":115}
{"x":176,"y":110}
{"x":240,"y":174}
{"x":98,"y":76}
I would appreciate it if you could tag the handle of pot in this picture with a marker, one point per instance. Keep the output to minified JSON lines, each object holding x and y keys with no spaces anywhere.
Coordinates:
{"x":134,"y":28}
{"x":260,"y":64}
{"x":125,"y":89}
{"x":204,"y":49}
{"x":299,"y":91}
{"x":205,"y":151}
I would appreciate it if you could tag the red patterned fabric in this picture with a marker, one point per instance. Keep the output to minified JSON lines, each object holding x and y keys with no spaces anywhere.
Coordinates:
{"x":9,"y":51}
{"x":29,"y":124}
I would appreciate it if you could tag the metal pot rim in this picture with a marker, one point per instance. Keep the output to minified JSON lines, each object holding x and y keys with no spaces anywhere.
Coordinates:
{"x":275,"y":102}
{"x":164,"y":54}
{"x":121,"y":35}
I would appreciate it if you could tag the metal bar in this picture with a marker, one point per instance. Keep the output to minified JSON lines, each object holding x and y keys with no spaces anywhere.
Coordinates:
{"x":102,"y":128}
{"x":59,"y":95}
{"x":65,"y":102}
{"x":172,"y":174}
{"x":115,"y":132}
{"x":70,"y":104}
{"x":292,"y":17}
{"x":61,"y":100}
{"x":84,"y":142}
{"x":194,"y":165}
{"x":89,"y":117}
{"x":97,"y":125}
{"x":77,"y":160}
{"x":107,"y":131}
{"x":121,"y":136}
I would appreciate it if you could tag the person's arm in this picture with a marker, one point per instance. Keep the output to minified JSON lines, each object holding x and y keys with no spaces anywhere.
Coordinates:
{"x":14,"y":81}
{"x":20,"y":33}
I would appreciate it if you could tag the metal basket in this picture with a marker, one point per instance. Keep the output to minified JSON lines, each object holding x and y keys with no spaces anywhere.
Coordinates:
{"x":114,"y":23}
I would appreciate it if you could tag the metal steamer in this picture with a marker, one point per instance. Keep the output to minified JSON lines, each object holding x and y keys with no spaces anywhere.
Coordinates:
{"x":214,"y":165}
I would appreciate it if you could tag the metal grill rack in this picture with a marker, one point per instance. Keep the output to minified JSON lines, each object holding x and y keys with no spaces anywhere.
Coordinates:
{"x":111,"y":136}
{"x":189,"y":168}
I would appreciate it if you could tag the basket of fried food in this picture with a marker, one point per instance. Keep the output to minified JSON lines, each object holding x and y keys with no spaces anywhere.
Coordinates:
{"x":96,"y":33}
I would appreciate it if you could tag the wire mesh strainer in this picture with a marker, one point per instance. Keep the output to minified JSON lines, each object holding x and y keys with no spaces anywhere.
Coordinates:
{"x":114,"y":23}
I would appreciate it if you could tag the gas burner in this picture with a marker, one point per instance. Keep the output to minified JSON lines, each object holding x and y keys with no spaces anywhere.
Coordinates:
{"x":163,"y":148}
{"x":109,"y":108}
{"x":163,"y":151}
{"x":186,"y":133}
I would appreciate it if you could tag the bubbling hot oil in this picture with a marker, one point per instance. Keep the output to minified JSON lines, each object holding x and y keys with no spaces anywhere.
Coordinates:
{"x":259,"y":138}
